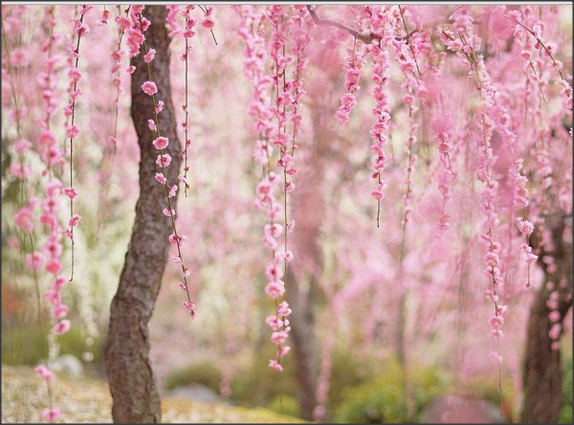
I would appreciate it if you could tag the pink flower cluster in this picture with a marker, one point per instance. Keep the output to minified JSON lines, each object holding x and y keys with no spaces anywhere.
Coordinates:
{"x":254,"y":68}
{"x":274,"y":272}
{"x":554,"y":315}
{"x":164,"y":160}
{"x":353,"y":67}
{"x":380,"y":128}
{"x":135,"y":29}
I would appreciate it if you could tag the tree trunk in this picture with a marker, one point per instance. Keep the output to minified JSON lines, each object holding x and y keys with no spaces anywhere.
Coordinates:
{"x":542,"y":369}
{"x":129,"y":372}
{"x":303,"y":272}
{"x":304,"y":344}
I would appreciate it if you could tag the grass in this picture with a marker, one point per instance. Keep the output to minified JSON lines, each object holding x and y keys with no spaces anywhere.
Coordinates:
{"x":87,"y":400}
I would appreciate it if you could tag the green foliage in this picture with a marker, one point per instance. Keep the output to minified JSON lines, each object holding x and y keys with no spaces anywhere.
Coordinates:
{"x":23,"y":346}
{"x":383,"y":400}
{"x":348,"y":371}
{"x":27,"y":345}
{"x":258,"y":385}
{"x":285,"y":405}
{"x":486,"y":387}
{"x":566,"y":411}
{"x":204,"y":373}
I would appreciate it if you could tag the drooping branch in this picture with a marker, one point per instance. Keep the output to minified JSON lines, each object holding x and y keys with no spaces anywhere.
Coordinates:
{"x":365,"y":37}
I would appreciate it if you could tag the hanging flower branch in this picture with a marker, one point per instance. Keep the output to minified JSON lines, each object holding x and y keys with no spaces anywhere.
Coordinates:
{"x":72,"y":130}
{"x":136,"y":39}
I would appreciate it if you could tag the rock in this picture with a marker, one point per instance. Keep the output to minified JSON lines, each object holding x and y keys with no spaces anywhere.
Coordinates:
{"x":453,"y":409}
{"x":196,"y":392}
{"x":69,"y":364}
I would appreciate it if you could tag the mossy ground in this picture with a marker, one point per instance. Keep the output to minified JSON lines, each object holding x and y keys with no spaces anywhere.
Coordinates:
{"x":24,"y":396}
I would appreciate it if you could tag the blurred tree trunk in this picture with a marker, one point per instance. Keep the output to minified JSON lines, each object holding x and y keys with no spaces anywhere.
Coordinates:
{"x":304,"y":345}
{"x":129,"y":372}
{"x":542,"y":368}
{"x":302,"y":274}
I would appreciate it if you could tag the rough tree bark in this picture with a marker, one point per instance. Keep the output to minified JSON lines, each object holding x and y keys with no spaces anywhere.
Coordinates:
{"x":129,"y":371}
{"x":542,"y":368}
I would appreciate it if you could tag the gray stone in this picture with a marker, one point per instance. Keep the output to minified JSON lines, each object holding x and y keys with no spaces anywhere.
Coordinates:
{"x":69,"y":364}
{"x":196,"y":392}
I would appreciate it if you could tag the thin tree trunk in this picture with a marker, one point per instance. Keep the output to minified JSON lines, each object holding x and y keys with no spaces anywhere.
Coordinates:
{"x":304,"y":344}
{"x":302,"y":274}
{"x":129,"y":371}
{"x":542,"y":369}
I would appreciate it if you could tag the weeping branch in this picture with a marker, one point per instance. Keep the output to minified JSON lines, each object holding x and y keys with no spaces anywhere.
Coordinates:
{"x":366,"y":37}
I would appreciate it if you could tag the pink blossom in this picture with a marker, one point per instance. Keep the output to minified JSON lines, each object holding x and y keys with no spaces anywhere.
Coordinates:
{"x":34,"y":260}
{"x":274,"y":290}
{"x":163,"y":160}
{"x":81,"y":28}
{"x":274,"y":322}
{"x":22,"y":145}
{"x":134,"y":41}
{"x":160,"y":178}
{"x":74,"y":74}
{"x":53,"y":296}
{"x":105,"y":17}
{"x":152,"y":126}
{"x":168,"y":212}
{"x":53,"y":188}
{"x":273,"y":364}
{"x":60,"y":311}
{"x":149,"y":56}
{"x":379,"y":193}
{"x":72,"y":131}
{"x":19,"y":58}
{"x":149,"y":88}
{"x":188,"y":305}
{"x":71,"y":192}
{"x":43,"y":372}
{"x":159,"y":107}
{"x":59,"y":283}
{"x":62,"y":327}
{"x":52,"y":415}
{"x":74,"y":220}
{"x":282,"y":351}
{"x":274,"y":272}
{"x":208,"y":23}
{"x":49,"y":220}
{"x":525,"y":226}
{"x":554,"y":316}
{"x":53,"y":266}
{"x":281,"y":140}
{"x":278,"y":338}
{"x":179,"y":239}
{"x":283,"y":309}
{"x":172,"y":191}
{"x":21,"y":172}
{"x":161,"y":143}
{"x":183,"y":286}
{"x":554,"y":332}
{"x":23,"y":219}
